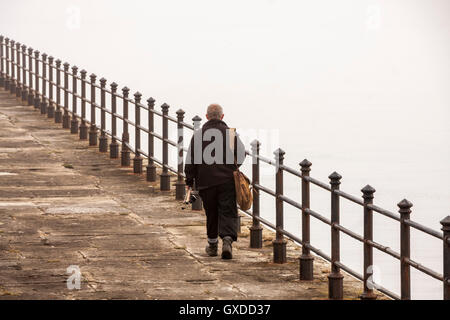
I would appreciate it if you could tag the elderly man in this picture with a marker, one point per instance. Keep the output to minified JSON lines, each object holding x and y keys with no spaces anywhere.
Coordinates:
{"x":214,"y":153}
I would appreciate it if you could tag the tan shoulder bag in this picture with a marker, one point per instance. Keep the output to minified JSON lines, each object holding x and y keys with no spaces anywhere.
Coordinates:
{"x":244,"y":195}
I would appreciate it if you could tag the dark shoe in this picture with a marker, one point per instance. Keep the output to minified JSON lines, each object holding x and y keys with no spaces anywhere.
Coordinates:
{"x":211,"y":249}
{"x":227,"y":248}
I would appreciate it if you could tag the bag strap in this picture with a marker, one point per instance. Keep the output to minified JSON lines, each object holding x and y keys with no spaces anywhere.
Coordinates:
{"x":233,"y":143}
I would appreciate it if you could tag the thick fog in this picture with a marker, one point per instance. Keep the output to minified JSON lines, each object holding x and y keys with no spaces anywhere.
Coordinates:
{"x":359,"y":87}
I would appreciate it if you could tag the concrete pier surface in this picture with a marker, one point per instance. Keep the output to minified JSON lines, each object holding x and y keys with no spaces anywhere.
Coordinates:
{"x":65,"y":204}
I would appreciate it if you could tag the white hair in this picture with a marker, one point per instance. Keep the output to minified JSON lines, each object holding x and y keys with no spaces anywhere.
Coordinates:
{"x":214,"y":111}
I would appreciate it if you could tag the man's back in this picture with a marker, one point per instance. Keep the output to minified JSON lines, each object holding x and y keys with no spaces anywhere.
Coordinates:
{"x":214,"y":162}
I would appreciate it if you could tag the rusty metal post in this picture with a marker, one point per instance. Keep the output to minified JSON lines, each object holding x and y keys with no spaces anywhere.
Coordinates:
{"x":18,"y":69}
{"x":279,"y":244}
{"x":93,"y":127}
{"x":44,"y":84}
{"x":306,"y":259}
{"x":24,"y":73}
{"x":37,"y":94}
{"x":58,"y":112}
{"x":51,"y":105}
{"x":125,"y":153}
{"x":137,"y":161}
{"x":165,"y":176}
{"x":151,"y":168}
{"x":197,"y":204}
{"x":180,"y":185}
{"x":83,"y":127}
{"x":335,"y":278}
{"x":103,"y":140}
{"x":30,"y":77}
{"x":256,"y":228}
{"x":66,"y":115}
{"x":405,"y":272}
{"x":113,"y":146}
{"x":2,"y":75}
{"x":368,"y":192}
{"x":7,"y":81}
{"x":446,"y":257}
{"x":74,"y":122}
{"x":44,"y":105}
{"x":12,"y":83}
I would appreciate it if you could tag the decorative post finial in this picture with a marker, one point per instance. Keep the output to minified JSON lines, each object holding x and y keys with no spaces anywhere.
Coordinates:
{"x":137,"y":96}
{"x":151,"y":102}
{"x":368,"y":192}
{"x":305,"y":166}
{"x":165,"y":107}
{"x":335,"y":179}
{"x":180,"y":114}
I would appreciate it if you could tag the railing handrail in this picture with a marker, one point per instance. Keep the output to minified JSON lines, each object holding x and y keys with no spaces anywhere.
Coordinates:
{"x":9,"y":78}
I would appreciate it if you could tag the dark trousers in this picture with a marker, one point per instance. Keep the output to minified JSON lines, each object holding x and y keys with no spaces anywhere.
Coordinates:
{"x":221,"y":210}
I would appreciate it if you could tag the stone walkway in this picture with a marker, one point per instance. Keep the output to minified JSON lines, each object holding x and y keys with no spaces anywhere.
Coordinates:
{"x":64,"y":204}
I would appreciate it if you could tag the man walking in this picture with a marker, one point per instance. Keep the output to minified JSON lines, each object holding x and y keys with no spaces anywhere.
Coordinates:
{"x":214,"y":153}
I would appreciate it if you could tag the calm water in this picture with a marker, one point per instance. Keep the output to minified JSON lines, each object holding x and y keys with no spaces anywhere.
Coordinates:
{"x":359,"y":87}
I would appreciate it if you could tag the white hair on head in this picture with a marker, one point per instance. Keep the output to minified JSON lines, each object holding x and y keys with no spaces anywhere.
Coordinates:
{"x":214,"y":111}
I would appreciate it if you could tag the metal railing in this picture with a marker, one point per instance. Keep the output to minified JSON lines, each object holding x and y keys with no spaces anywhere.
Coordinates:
{"x":14,"y":71}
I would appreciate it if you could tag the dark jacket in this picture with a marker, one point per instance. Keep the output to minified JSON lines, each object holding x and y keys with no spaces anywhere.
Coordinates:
{"x":215,"y":165}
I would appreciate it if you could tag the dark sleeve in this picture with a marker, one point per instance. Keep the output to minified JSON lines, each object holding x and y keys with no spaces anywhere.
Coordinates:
{"x":189,"y":166}
{"x":240,"y":151}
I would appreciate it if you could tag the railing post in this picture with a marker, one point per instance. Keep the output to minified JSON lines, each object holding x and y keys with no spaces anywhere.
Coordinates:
{"x":137,"y":161}
{"x":165,"y":177}
{"x":405,"y":272}
{"x":66,"y":116}
{"x":368,"y":294}
{"x":197,"y":204}
{"x":12,"y":85}
{"x":113,"y":146}
{"x":74,"y":122}
{"x":93,"y":127}
{"x":255,"y":229}
{"x":180,"y":185}
{"x":335,"y":278}
{"x":83,"y":126}
{"x":151,"y":168}
{"x":306,"y":259}
{"x":30,"y":77}
{"x":7,"y":63}
{"x":51,"y":106}
{"x":37,"y":94}
{"x":24,"y":73}
{"x":446,"y":263}
{"x":103,"y":140}
{"x":18,"y":66}
{"x":125,"y":153}
{"x":58,"y":112}
{"x":44,"y":84}
{"x":279,"y":244}
{"x":2,"y":75}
